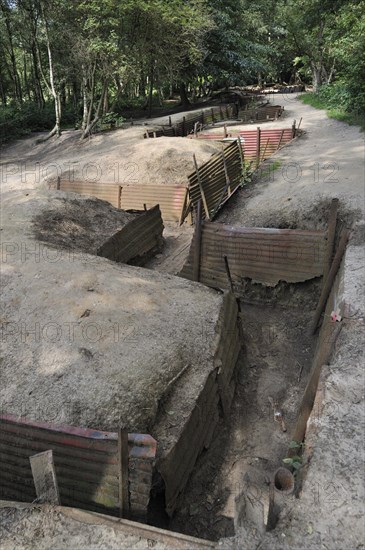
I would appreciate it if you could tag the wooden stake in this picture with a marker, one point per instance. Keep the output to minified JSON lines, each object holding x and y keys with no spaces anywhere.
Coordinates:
{"x":258,"y":146}
{"x":58,"y":183}
{"x":331,"y":231}
{"x":206,"y":209}
{"x":198,"y":242}
{"x":330,"y":279}
{"x":44,"y":476}
{"x":123,"y":473}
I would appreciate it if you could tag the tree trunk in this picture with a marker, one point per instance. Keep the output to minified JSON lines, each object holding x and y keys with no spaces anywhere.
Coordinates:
{"x":150,"y":94}
{"x":183,"y":95}
{"x":56,"y":95}
{"x":15,"y":76}
{"x":92,"y":123}
{"x":37,"y":86}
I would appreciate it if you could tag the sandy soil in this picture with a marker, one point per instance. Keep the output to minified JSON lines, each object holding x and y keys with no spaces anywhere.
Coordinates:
{"x":120,"y":156}
{"x":91,"y":343}
{"x":47,"y":527}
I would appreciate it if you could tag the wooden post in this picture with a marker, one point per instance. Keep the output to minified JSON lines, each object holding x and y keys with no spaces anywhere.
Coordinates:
{"x":300,"y":122}
{"x":293,"y":128}
{"x":258,"y":146}
{"x":225,"y":131}
{"x":201,"y":188}
{"x":198,"y":242}
{"x":119,"y":197}
{"x":123,"y":454}
{"x":331,"y":231}
{"x":170,"y":122}
{"x":330,"y":279}
{"x":266,"y":146}
{"x":228,"y":181}
{"x":183,"y":127}
{"x":44,"y":477}
{"x":239,"y":145}
{"x":58,"y":187}
{"x":280,"y":140}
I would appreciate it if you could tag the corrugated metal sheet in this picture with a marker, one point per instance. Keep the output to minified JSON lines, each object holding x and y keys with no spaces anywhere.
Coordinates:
{"x":270,"y":140}
{"x":213,"y":179}
{"x":104,"y":191}
{"x":136,"y":240}
{"x":266,"y":141}
{"x":187,"y":124}
{"x":86,"y":461}
{"x":261,"y":113}
{"x":264,"y":255}
{"x":170,"y":198}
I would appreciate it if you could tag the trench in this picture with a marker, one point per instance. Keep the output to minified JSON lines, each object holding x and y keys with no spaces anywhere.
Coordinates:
{"x":232,"y":481}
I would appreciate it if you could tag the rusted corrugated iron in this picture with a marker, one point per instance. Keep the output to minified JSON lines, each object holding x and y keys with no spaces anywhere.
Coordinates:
{"x":216,"y":180}
{"x":188,"y":123}
{"x":87,"y":464}
{"x":137,"y":240}
{"x":264,"y":142}
{"x":264,"y":255}
{"x":170,"y":199}
{"x":104,"y":191}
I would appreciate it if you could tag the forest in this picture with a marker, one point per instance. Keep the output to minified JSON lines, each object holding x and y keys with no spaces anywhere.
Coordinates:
{"x":72,"y":63}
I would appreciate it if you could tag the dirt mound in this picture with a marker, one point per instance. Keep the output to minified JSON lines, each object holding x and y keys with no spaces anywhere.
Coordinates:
{"x":75,"y":222}
{"x":169,"y":159}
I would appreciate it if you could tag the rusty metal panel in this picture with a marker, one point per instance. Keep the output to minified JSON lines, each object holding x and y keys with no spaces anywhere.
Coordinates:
{"x":212,"y":179}
{"x":170,"y":199}
{"x":264,"y":255}
{"x":136,"y":240}
{"x":86,"y":462}
{"x":105,"y":191}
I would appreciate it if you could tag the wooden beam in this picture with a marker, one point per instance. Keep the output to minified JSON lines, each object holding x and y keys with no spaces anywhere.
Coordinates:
{"x":197,"y":242}
{"x":331,"y":232}
{"x":123,"y":455}
{"x":44,"y":477}
{"x":330,"y":279}
{"x":206,"y":209}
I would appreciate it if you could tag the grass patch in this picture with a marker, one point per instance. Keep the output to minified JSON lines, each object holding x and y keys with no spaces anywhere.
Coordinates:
{"x":318,"y":102}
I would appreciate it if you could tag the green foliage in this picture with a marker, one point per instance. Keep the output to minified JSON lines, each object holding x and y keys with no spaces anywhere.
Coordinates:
{"x":17,"y":121}
{"x":337,"y":100}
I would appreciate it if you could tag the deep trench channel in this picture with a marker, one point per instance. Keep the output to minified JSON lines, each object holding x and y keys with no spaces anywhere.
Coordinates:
{"x":250,"y":444}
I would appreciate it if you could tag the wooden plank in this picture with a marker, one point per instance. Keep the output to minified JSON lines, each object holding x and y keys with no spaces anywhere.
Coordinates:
{"x":197,"y":242}
{"x":44,"y":476}
{"x":330,"y":279}
{"x":331,"y":232}
{"x":123,"y":473}
{"x":201,"y":188}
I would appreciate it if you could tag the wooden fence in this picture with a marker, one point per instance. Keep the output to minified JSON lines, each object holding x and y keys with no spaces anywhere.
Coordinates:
{"x":263,"y":113}
{"x":170,"y":198}
{"x":190,"y":122}
{"x":101,"y":471}
{"x":264,"y":255}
